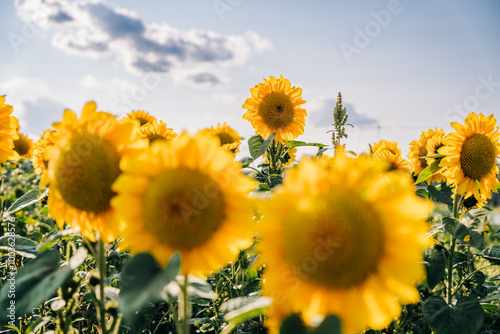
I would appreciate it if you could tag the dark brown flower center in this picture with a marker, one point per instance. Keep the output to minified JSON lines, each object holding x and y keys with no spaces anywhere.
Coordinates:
{"x":276,"y":110}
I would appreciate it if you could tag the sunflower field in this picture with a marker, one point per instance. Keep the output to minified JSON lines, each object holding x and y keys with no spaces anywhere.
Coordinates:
{"x":120,"y":225}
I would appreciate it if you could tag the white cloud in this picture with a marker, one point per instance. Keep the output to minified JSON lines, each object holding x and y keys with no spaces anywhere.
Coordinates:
{"x":92,"y":28}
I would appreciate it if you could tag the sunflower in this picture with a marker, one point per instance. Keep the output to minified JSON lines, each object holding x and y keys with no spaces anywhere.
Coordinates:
{"x":275,"y":107}
{"x":228,"y":137}
{"x":418,"y":152}
{"x":142,"y":116}
{"x":395,"y":161}
{"x":344,"y":239}
{"x":470,"y":155}
{"x":38,"y":156}
{"x":23,"y":145}
{"x":154,"y":130}
{"x":8,"y":132}
{"x":192,"y":198}
{"x":434,"y":143}
{"x":385,"y":145}
{"x":83,"y":163}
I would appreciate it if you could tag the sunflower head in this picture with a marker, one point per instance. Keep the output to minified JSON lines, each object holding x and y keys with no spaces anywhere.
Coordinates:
{"x":40,"y":163}
{"x":142,"y":116}
{"x":343,"y":237}
{"x":395,"y":162}
{"x":385,"y":145}
{"x":192,"y":198}
{"x":275,"y":106}
{"x":228,"y":137}
{"x":8,"y":132}
{"x":470,"y":156}
{"x":83,"y":163}
{"x":156,"y":130}
{"x":419,"y":150}
{"x":23,"y":146}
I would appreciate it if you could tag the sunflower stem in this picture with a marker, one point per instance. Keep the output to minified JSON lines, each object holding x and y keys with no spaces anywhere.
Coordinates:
{"x":457,"y":202}
{"x":101,"y":263}
{"x":184,"y":308}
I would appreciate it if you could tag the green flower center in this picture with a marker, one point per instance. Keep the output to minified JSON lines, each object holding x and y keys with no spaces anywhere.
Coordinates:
{"x":276,"y":110}
{"x":337,"y":244}
{"x":85,"y":171}
{"x":224,"y":138}
{"x":21,"y":146}
{"x":477,"y":157}
{"x":183,"y":208}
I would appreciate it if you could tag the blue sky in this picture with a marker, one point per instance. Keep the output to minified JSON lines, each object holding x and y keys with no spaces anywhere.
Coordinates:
{"x":402,"y":66}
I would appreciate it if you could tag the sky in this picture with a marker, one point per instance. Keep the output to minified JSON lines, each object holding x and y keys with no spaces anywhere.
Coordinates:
{"x":402,"y":66}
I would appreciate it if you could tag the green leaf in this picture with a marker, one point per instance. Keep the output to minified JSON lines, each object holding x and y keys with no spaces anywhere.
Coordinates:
{"x":423,"y":193}
{"x":265,"y":145}
{"x":264,"y":186}
{"x":435,"y":156}
{"x":466,"y":317}
{"x":293,"y":325}
{"x":246,"y":161}
{"x":296,"y":143}
{"x":472,"y":224}
{"x":321,"y":150}
{"x":240,"y":309}
{"x":435,"y":267}
{"x":37,"y":281}
{"x":252,"y":286}
{"x":55,"y":237}
{"x":143,"y":280}
{"x":254,"y":145}
{"x":440,"y":196}
{"x":492,"y":254}
{"x":428,"y":172}
{"x":493,"y":296}
{"x":331,"y":325}
{"x":31,"y":197}
{"x":197,"y":287}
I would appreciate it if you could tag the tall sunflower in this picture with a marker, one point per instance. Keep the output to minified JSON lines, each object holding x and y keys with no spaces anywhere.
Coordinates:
{"x":394,"y":161}
{"x":228,"y":137}
{"x":8,"y":132}
{"x":385,"y":145}
{"x":142,"y":116}
{"x":83,"y":163}
{"x":23,"y":145}
{"x":418,"y":152}
{"x":471,"y":154}
{"x":192,"y":198}
{"x":38,"y":156}
{"x":154,"y":130}
{"x":344,"y":238}
{"x":434,"y":143}
{"x":275,"y":106}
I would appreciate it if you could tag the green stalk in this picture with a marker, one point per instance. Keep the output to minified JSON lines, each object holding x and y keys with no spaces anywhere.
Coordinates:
{"x":101,"y":263}
{"x":457,"y":202}
{"x":185,"y":308}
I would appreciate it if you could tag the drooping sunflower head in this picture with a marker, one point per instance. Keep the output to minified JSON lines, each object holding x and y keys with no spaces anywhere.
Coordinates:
{"x":228,"y":137}
{"x":470,"y":155}
{"x":142,"y":116}
{"x":154,"y":130}
{"x":83,"y":163}
{"x":23,"y":145}
{"x":395,"y":162}
{"x":275,"y":106}
{"x":385,"y":145}
{"x":192,"y":198}
{"x":418,"y":152}
{"x":343,"y":238}
{"x":8,"y":132}
{"x":40,"y":162}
